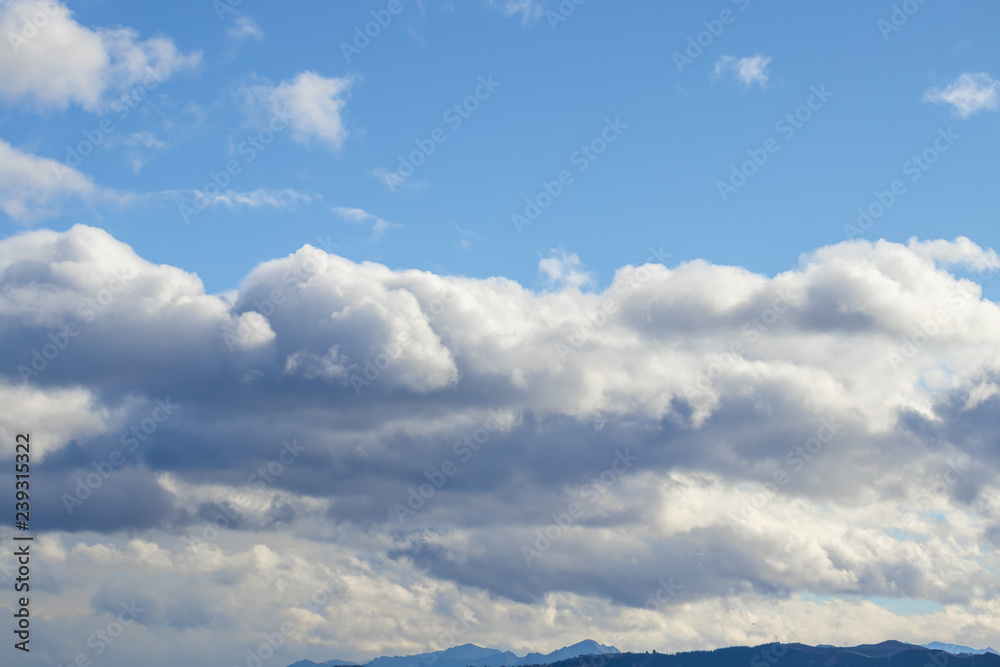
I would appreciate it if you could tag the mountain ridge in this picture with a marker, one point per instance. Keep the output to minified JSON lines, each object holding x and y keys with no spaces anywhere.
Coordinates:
{"x":589,"y":653}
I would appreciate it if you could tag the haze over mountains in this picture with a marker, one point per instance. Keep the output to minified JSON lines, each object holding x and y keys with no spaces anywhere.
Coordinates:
{"x":468,"y":655}
{"x":586,"y":654}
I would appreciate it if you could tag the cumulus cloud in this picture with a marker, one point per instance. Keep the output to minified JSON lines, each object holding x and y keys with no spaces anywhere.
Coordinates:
{"x":314,"y":104}
{"x":53,"y":61}
{"x":780,"y":447}
{"x":968,"y":94}
{"x":747,"y":71}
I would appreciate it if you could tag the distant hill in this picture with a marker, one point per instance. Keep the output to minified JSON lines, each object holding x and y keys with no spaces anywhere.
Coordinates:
{"x":470,"y":655}
{"x":957,"y":649}
{"x":886,"y":654}
{"x":592,"y":654}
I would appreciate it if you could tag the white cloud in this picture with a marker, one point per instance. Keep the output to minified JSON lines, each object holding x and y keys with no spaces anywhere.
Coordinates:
{"x":245,"y":27}
{"x":282,"y":200}
{"x":748,"y":70}
{"x":62,"y":62}
{"x":381,"y":373}
{"x":564,"y":270}
{"x":314,"y":103}
{"x":969,"y":93}
{"x":359,"y":216}
{"x":140,"y":146}
{"x":529,"y":10}
{"x":33,"y":187}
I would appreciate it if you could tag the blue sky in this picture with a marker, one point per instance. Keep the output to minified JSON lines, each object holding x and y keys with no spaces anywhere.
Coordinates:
{"x":526,"y":313}
{"x":657,"y":186}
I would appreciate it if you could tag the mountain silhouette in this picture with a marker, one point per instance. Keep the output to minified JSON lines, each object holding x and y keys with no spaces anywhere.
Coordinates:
{"x":589,"y":653}
{"x":470,"y":655}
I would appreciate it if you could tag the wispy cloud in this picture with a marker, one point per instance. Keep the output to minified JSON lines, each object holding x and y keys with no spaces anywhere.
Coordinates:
{"x":33,"y":187}
{"x":747,"y":71}
{"x":245,"y":27}
{"x":968,"y":94}
{"x":141,"y":145}
{"x":283,"y":200}
{"x":358,"y":216}
{"x":529,"y":10}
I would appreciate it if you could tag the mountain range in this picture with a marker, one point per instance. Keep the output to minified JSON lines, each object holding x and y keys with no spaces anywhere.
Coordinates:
{"x":584,"y":654}
{"x":470,"y":655}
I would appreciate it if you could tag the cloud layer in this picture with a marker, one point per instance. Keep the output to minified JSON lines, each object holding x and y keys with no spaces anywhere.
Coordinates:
{"x":537,"y":464}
